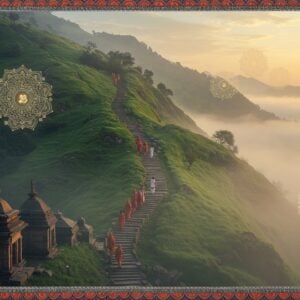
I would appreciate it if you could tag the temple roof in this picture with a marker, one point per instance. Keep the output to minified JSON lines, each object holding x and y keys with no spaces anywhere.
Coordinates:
{"x":35,"y":208}
{"x":64,"y":222}
{"x":83,"y":225}
{"x":9,"y":219}
{"x":5,"y":208}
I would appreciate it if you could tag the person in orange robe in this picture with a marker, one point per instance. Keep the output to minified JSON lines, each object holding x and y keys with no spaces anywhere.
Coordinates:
{"x":146,"y":148}
{"x":143,"y":194}
{"x":111,"y":243}
{"x":128,"y":210}
{"x":119,"y":256}
{"x":140,"y":198}
{"x":122,"y":220}
{"x":133,"y":202}
{"x":139,"y":144}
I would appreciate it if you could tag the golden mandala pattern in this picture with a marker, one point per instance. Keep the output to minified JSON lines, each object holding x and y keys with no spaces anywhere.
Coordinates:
{"x":25,"y":98}
{"x":221,"y":89}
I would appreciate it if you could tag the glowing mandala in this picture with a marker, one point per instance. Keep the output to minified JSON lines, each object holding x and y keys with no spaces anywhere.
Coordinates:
{"x":25,"y":98}
{"x":221,"y":89}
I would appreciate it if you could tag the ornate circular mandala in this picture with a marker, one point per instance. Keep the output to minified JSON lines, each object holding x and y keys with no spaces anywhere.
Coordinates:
{"x":221,"y":89}
{"x":25,"y":98}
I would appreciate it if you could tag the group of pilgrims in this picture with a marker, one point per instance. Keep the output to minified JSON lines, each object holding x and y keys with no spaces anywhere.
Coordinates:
{"x":143,"y":147}
{"x":115,"y":78}
{"x":136,"y":201}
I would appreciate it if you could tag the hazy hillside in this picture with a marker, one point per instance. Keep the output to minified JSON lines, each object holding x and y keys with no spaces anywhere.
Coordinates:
{"x":251,"y":86}
{"x":223,"y":224}
{"x":191,"y":88}
{"x":223,"y":219}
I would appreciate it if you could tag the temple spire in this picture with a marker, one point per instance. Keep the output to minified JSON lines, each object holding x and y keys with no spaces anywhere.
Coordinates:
{"x":33,"y":190}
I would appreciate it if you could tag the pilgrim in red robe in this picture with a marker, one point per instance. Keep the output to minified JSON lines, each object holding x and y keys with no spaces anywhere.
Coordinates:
{"x":139,"y":144}
{"x":143,"y":194}
{"x":133,"y":202}
{"x":122,"y":220}
{"x":128,"y":210}
{"x":111,"y":243}
{"x":119,"y":256}
{"x":146,"y":148}
{"x":140,"y":198}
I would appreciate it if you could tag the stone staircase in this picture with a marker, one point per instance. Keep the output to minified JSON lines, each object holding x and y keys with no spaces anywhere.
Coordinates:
{"x":131,"y":274}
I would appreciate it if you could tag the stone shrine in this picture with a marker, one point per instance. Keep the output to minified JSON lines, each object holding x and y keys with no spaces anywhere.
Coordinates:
{"x":40,"y":234}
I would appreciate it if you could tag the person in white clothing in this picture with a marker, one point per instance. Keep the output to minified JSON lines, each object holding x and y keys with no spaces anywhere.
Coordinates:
{"x":152,"y":185}
{"x":151,"y":152}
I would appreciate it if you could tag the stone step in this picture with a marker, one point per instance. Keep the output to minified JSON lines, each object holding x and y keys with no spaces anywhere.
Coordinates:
{"x":127,"y":262}
{"x":128,"y":283}
{"x":126,"y":279}
{"x":126,"y":268}
{"x":124,"y":264}
{"x":123,"y":275}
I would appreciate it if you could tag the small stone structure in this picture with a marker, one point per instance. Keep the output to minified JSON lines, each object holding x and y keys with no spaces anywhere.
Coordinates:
{"x":33,"y":232}
{"x":40,"y":234}
{"x":66,"y":230}
{"x":85,"y":232}
{"x":12,"y":270}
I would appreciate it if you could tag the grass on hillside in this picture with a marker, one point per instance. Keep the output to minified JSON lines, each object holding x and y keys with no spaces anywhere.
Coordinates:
{"x":81,"y":157}
{"x":204,"y":231}
{"x":79,"y":265}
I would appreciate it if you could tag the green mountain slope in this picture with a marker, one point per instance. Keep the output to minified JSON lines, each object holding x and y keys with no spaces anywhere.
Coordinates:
{"x":80,"y":265}
{"x":69,"y":155}
{"x":191,"y":88}
{"x":75,"y":155}
{"x":223,"y":223}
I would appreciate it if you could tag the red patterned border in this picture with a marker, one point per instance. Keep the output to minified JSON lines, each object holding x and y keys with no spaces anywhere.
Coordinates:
{"x":148,"y":295}
{"x":151,"y":4}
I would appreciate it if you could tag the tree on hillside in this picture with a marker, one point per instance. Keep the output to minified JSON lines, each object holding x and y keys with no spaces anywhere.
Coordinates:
{"x":164,"y":90}
{"x":139,"y":69}
{"x":121,"y":59}
{"x":148,"y":75}
{"x":226,"y":138}
{"x":90,"y":47}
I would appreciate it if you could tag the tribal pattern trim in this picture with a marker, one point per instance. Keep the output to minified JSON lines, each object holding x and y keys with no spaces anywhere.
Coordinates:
{"x":152,"y":4}
{"x":131,"y":293}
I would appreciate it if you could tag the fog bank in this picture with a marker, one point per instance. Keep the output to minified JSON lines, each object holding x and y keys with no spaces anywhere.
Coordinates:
{"x":273,"y":147}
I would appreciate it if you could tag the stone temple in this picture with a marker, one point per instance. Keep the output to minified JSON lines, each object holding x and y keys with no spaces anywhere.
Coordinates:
{"x":34,"y":232}
{"x":40,"y":234}
{"x":12,"y":270}
{"x":66,"y":230}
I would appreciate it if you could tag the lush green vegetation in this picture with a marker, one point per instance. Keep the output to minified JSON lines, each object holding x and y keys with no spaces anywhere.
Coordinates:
{"x":75,"y":155}
{"x":77,"y":266}
{"x":211,"y":230}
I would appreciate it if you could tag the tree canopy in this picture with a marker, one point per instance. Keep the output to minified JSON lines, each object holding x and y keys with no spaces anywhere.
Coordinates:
{"x":226,"y":138}
{"x":164,"y":90}
{"x":148,"y":75}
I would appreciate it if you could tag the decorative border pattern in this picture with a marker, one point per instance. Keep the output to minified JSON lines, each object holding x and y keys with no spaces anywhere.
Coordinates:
{"x":151,"y":4}
{"x":162,"y":293}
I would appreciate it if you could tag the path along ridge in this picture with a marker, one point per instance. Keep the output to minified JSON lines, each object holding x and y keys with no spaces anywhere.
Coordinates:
{"x":131,"y":274}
